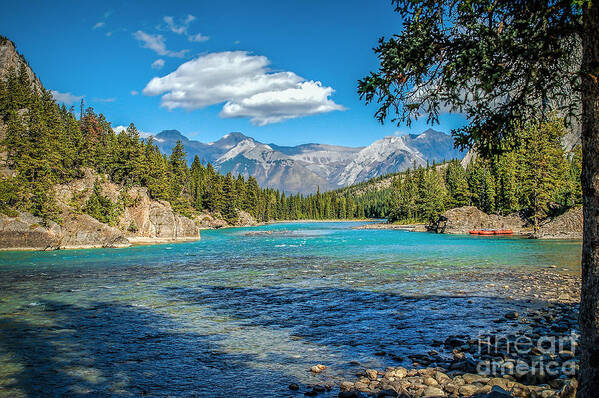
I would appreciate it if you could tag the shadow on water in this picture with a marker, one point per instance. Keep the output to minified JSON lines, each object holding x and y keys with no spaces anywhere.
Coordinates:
{"x":118,"y":350}
{"x":115,"y":350}
{"x":360,"y":328}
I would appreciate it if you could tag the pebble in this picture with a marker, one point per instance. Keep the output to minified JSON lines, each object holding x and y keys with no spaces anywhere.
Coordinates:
{"x":317,"y":368}
{"x":372,"y":374}
{"x":293,"y":386}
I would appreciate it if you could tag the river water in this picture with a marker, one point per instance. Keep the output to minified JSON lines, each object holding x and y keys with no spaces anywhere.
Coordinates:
{"x":246,"y":312}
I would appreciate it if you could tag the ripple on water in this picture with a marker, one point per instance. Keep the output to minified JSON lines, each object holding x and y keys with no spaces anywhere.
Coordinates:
{"x":239,"y":314}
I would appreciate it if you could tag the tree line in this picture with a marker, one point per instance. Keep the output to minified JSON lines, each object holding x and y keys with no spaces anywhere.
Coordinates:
{"x":536,"y":178}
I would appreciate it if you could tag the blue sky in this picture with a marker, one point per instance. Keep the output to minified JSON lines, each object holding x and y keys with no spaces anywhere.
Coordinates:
{"x":279,"y":71}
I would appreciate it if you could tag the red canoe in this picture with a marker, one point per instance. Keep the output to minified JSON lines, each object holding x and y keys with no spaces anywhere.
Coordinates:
{"x":489,"y":232}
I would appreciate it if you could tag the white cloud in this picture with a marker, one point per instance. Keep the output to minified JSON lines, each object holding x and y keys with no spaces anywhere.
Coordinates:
{"x":134,"y":92}
{"x":307,"y":98}
{"x":245,"y":84}
{"x":66,"y":98}
{"x":98,"y":25}
{"x":158,"y":64}
{"x":179,"y":29}
{"x":198,"y":38}
{"x":157,"y":43}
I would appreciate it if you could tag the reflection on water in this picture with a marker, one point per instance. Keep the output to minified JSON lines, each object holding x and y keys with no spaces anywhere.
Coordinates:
{"x":239,"y":314}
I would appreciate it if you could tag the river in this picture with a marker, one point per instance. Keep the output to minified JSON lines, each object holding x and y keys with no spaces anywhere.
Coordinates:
{"x":247,"y":311}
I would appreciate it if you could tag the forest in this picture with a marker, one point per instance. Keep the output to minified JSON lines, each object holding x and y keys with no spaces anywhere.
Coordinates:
{"x":537,"y":179}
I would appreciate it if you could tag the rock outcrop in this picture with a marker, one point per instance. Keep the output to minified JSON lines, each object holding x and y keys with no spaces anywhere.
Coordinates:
{"x":564,"y":226}
{"x":80,"y":231}
{"x":463,"y":219}
{"x":11,"y":59}
{"x":141,"y":220}
{"x":26,"y":232}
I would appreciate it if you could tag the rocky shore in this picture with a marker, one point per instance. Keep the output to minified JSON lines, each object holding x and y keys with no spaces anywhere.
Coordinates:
{"x":463,"y":219}
{"x":398,"y":227}
{"x":531,"y":351}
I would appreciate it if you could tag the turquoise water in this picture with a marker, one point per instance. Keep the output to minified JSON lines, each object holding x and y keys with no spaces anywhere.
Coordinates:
{"x":245,"y":312}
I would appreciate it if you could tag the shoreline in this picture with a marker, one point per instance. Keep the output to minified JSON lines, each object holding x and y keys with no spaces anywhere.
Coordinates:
{"x":488,"y":363}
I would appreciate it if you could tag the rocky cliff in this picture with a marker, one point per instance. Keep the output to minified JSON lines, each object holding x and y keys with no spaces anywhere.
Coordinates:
{"x":141,"y":219}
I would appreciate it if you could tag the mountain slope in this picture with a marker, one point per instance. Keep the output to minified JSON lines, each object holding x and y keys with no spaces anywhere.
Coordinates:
{"x":309,"y":167}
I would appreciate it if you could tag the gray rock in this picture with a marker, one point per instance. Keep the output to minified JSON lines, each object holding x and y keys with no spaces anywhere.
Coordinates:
{"x":372,"y":374}
{"x":433,"y":392}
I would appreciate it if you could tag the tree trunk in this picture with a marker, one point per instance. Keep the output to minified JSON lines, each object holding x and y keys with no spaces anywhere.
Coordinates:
{"x":589,"y":304}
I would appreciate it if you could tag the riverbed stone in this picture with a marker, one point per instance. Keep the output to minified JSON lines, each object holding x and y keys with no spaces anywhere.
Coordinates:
{"x":318,"y":368}
{"x":433,"y":392}
{"x":569,"y":389}
{"x":361,"y":386}
{"x":512,"y":315}
{"x":470,"y":378}
{"x":346,"y":385}
{"x":401,"y":372}
{"x":372,"y":374}
{"x":430,"y":381}
{"x":468,"y":390}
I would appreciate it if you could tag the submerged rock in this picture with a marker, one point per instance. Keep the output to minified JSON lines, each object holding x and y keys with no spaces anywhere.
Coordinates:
{"x":317,"y":368}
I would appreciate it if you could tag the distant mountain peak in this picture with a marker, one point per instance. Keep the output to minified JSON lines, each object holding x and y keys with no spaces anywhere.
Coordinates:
{"x":228,"y":141}
{"x":171,"y":135}
{"x":304,"y":168}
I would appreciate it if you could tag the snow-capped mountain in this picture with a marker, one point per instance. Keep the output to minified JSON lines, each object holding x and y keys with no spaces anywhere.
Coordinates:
{"x":306,"y":168}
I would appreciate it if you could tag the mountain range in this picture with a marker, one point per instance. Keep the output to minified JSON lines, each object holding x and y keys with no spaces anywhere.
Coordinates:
{"x":308,"y":167}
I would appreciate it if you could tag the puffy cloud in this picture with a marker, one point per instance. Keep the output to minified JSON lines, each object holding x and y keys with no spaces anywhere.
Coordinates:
{"x":179,"y":29}
{"x":98,"y":25}
{"x":134,"y":92}
{"x":307,"y":98}
{"x":157,"y":43}
{"x":198,"y":38}
{"x":246,"y":86}
{"x":66,"y":98}
{"x":158,"y":64}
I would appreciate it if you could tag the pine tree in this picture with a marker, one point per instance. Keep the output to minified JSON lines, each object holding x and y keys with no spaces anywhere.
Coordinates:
{"x":229,"y":212}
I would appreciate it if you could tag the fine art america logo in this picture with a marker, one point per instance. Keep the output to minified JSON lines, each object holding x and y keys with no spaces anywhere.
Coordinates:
{"x":546,"y":356}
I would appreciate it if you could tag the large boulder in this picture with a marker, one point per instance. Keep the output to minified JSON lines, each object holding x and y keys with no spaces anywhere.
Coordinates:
{"x":564,"y":226}
{"x":27,"y":232}
{"x":209,"y":221}
{"x":155,"y":220}
{"x":83,"y":231}
{"x":463,"y":219}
